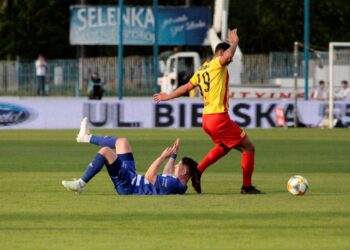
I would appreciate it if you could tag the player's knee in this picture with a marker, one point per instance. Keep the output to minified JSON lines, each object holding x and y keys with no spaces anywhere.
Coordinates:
{"x":249,"y":147}
{"x":121,"y":141}
{"x":105,"y":151}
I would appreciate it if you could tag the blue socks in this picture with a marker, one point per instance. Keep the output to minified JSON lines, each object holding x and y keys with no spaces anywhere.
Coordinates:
{"x":104,"y":141}
{"x":94,"y":167}
{"x":97,"y":164}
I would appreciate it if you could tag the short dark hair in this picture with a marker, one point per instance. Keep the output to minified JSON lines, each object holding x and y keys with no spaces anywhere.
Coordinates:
{"x":191,"y":164}
{"x":344,"y":82}
{"x":222,"y":46}
{"x":321,"y":82}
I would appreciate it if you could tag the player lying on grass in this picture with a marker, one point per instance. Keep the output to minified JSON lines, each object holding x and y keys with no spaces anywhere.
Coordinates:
{"x":121,"y":167}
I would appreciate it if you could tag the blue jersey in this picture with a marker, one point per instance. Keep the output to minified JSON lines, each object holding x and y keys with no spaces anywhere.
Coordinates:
{"x":127,"y":181}
{"x":165,"y":184}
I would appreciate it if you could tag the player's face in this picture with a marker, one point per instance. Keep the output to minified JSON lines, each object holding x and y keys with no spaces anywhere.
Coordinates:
{"x":179,"y":168}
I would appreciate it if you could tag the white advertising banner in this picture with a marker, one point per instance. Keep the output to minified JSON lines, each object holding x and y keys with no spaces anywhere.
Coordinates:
{"x":66,"y":113}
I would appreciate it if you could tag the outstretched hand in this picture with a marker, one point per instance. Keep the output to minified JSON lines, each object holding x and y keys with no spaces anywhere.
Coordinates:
{"x":176,"y":145}
{"x":160,"y":97}
{"x":171,"y":150}
{"x":167,"y":152}
{"x":233,"y":37}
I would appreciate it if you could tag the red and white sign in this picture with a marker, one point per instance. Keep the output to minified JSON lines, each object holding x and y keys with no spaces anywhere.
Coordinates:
{"x":263,"y":93}
{"x":280,"y":117}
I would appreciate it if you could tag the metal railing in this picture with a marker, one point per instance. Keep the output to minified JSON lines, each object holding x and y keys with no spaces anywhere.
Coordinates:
{"x":71,"y":77}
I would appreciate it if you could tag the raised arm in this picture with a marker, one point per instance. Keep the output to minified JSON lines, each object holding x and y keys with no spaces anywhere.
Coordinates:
{"x":169,"y":167}
{"x":233,"y":39}
{"x":151,"y":174}
{"x":178,"y":92}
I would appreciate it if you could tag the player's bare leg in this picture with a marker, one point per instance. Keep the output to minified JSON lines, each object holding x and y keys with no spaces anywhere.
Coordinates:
{"x":122,"y":146}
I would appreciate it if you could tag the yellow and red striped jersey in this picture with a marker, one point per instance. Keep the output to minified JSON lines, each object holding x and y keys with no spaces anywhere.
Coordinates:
{"x":212,"y":79}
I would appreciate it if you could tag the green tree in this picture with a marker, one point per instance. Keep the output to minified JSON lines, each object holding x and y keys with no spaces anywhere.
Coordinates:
{"x":32,"y":27}
{"x":266,"y":26}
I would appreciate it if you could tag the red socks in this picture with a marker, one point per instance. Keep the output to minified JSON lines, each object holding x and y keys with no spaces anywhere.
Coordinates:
{"x":214,"y":154}
{"x":217,"y":152}
{"x":247,"y":168}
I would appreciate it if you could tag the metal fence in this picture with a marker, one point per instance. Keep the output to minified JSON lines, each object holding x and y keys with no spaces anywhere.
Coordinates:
{"x":262,"y":68}
{"x":71,"y":77}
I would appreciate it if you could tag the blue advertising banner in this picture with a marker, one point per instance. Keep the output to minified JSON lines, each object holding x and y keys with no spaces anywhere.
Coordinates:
{"x":92,"y":25}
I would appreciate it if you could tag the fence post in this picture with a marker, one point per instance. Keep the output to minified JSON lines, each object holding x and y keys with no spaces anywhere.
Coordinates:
{"x":120,"y":50}
{"x":155,"y":46}
{"x":17,"y":70}
{"x":75,"y":65}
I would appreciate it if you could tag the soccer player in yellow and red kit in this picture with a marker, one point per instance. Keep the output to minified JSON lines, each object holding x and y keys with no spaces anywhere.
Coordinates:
{"x":212,"y":79}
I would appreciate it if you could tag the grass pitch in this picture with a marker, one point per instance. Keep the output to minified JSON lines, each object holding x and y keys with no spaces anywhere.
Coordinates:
{"x":36,"y":212}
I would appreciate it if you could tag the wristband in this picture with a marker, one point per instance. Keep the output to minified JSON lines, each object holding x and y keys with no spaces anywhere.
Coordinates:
{"x":173,"y":156}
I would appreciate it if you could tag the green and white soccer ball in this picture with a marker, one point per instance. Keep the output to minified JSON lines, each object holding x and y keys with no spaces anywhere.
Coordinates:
{"x":297,"y":185}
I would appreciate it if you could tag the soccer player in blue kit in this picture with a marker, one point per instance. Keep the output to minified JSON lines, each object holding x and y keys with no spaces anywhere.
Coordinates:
{"x":122,"y":169}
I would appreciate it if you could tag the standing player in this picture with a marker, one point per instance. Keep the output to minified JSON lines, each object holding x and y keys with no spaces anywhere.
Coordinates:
{"x":122,"y":169}
{"x":212,"y":79}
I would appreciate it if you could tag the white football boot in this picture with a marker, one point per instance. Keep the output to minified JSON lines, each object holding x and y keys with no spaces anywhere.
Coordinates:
{"x":74,"y":186}
{"x":84,"y":132}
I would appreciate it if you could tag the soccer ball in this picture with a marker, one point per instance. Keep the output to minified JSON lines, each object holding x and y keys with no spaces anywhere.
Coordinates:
{"x":297,"y":185}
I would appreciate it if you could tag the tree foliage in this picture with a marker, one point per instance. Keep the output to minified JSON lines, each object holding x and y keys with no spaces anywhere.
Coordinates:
{"x":274,"y":25}
{"x":31,"y":27}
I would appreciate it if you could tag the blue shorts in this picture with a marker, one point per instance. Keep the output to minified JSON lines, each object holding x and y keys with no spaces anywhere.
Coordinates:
{"x":122,"y":171}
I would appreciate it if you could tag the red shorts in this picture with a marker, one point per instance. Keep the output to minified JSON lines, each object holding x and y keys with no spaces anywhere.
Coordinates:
{"x":222,"y":129}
